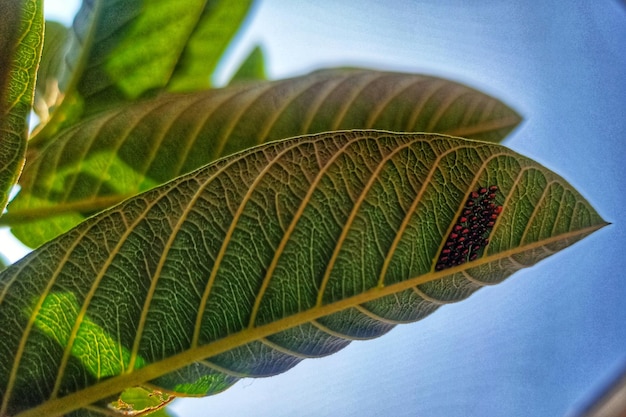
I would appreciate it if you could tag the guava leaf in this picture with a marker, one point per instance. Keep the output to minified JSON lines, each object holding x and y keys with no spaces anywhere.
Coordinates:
{"x":124,"y":49}
{"x":21,"y":33}
{"x":285,"y":251}
{"x":47,"y":90}
{"x":115,"y":155}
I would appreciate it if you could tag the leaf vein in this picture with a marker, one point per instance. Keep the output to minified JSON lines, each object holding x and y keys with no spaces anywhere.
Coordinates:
{"x":92,"y":290}
{"x":286,"y":237}
{"x":276,"y":113}
{"x":229,"y":233}
{"x":354,"y":94}
{"x":31,"y":322}
{"x":352,"y":216}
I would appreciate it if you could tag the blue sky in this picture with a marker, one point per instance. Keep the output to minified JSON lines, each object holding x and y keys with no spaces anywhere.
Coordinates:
{"x":543,"y":342}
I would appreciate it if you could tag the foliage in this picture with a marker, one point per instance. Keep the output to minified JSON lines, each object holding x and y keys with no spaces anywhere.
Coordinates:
{"x":189,"y":236}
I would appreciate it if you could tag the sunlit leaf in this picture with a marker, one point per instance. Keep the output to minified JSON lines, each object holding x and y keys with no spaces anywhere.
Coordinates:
{"x":113,"y":156}
{"x":219,"y":22}
{"x":124,"y":49}
{"x":281,"y":252}
{"x":21,"y":32}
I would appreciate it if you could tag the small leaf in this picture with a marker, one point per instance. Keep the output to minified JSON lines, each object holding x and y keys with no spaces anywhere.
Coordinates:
{"x":282,"y":252}
{"x":252,"y":69}
{"x":219,"y":22}
{"x":21,"y":33}
{"x":106,"y":159}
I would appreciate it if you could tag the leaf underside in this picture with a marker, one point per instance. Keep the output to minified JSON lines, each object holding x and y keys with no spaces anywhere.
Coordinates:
{"x":20,"y":48}
{"x":281,"y":252}
{"x":117,"y":154}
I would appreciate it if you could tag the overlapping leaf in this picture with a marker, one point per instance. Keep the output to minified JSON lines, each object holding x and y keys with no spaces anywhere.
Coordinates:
{"x":47,"y":91}
{"x":117,"y":154}
{"x":20,"y":48}
{"x":282,"y":252}
{"x":124,"y":49}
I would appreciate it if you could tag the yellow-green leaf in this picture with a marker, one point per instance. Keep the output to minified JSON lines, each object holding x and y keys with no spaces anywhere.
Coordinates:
{"x":142,"y":401}
{"x":21,"y":32}
{"x":123,"y":49}
{"x":113,"y":156}
{"x":282,"y":252}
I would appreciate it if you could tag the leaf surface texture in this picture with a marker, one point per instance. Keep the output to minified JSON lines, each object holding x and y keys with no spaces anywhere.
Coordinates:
{"x":117,"y":52}
{"x":282,"y":252}
{"x":119,"y":153}
{"x":20,"y":48}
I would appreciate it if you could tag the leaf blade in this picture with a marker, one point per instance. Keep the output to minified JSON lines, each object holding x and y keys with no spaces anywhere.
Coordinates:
{"x":20,"y":44}
{"x":47,"y":89}
{"x":219,"y":319}
{"x":135,"y":148}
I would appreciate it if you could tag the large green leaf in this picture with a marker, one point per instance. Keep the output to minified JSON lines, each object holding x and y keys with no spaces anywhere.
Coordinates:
{"x":115,"y":155}
{"x":282,"y":252}
{"x":21,"y":32}
{"x":123,"y":49}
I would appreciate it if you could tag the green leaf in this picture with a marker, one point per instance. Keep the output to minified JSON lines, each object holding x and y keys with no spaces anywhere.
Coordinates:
{"x":252,"y":68}
{"x":220,"y":22}
{"x":21,"y":32}
{"x":125,"y":49}
{"x":47,"y":91}
{"x":142,"y":400}
{"x":282,"y":252}
{"x":108,"y":158}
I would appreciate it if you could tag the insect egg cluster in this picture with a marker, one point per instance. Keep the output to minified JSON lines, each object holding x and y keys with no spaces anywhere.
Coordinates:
{"x":470,"y":233}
